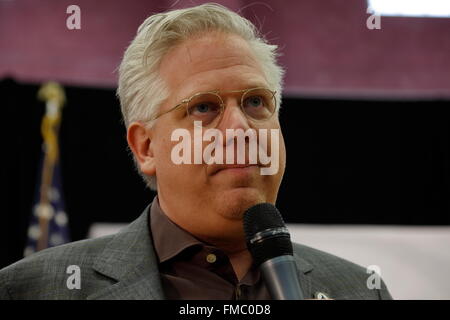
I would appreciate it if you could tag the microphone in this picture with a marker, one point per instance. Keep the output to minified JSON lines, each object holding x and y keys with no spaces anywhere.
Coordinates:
{"x":270,"y":245}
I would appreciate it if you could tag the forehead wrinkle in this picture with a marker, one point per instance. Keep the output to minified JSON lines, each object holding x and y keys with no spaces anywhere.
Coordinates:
{"x":244,"y":78}
{"x":189,"y":53}
{"x":220,"y":63}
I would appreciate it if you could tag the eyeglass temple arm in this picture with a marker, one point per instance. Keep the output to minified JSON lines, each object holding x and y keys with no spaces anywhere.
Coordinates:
{"x":170,"y":110}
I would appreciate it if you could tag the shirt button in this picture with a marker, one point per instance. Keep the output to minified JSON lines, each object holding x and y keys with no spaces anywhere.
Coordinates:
{"x":211,"y":258}
{"x":238,"y":292}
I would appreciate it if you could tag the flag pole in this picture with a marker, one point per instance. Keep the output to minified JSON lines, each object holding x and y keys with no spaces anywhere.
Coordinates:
{"x":54,"y":97}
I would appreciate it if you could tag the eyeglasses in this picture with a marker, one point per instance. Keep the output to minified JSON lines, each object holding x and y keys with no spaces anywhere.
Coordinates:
{"x":257,"y":104}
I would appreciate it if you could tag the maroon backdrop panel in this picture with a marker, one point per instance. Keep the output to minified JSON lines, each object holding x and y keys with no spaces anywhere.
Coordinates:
{"x":327,"y":48}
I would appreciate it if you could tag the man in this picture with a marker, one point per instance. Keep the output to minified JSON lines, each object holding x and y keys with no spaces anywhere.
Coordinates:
{"x":189,"y":71}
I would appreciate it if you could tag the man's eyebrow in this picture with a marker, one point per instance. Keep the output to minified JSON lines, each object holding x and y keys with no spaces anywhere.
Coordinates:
{"x":247,"y":86}
{"x":243,"y":88}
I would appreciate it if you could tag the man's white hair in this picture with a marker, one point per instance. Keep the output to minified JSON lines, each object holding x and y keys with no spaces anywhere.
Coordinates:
{"x":141,"y":90}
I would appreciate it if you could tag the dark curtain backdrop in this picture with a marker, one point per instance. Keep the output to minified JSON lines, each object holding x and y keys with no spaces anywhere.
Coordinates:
{"x":352,"y":162}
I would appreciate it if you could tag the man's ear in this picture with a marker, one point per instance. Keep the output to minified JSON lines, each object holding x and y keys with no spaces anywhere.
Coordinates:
{"x":140,"y":141}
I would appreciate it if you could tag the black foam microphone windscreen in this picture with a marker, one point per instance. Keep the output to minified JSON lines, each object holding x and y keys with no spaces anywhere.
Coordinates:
{"x":270,"y":245}
{"x":266,"y":233}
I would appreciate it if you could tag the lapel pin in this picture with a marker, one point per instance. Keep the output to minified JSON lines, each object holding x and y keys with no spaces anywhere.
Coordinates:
{"x":321,"y":296}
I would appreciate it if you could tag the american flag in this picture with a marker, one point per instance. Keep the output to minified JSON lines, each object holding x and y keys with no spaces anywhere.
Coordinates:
{"x":49,"y":223}
{"x":54,"y":230}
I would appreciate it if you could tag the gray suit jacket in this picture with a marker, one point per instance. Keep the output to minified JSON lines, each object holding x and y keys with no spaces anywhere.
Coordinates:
{"x":124,"y":266}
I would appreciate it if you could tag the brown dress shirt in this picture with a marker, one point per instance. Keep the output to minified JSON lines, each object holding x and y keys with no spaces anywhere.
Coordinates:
{"x":191,"y":269}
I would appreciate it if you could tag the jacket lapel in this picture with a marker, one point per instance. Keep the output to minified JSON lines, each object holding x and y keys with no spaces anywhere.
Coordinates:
{"x":303,"y":267}
{"x":129,"y":258}
{"x":309,"y":284}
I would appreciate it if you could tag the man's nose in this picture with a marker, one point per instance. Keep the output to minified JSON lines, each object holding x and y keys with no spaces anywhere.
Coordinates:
{"x":233,"y":118}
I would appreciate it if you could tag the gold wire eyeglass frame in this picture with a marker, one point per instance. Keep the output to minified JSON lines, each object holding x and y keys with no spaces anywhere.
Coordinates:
{"x":222,"y":104}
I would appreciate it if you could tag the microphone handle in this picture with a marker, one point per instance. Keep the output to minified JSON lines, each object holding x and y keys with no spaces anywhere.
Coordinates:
{"x":280,"y":276}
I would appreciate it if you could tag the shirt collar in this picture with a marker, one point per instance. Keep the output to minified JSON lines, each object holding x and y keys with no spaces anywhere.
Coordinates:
{"x":161,"y":226}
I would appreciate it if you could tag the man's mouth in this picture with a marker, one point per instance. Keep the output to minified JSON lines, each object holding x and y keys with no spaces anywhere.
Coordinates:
{"x":234,"y":168}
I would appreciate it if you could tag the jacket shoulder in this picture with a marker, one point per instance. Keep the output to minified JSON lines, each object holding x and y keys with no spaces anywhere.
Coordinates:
{"x":344,"y":279}
{"x":324,"y":261}
{"x":45,"y":274}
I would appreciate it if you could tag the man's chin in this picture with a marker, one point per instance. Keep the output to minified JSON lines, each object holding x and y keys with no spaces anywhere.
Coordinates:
{"x":234,"y":202}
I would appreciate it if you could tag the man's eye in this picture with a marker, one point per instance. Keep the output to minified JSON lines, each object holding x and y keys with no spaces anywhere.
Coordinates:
{"x":203,"y":109}
{"x":254,"y":102}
